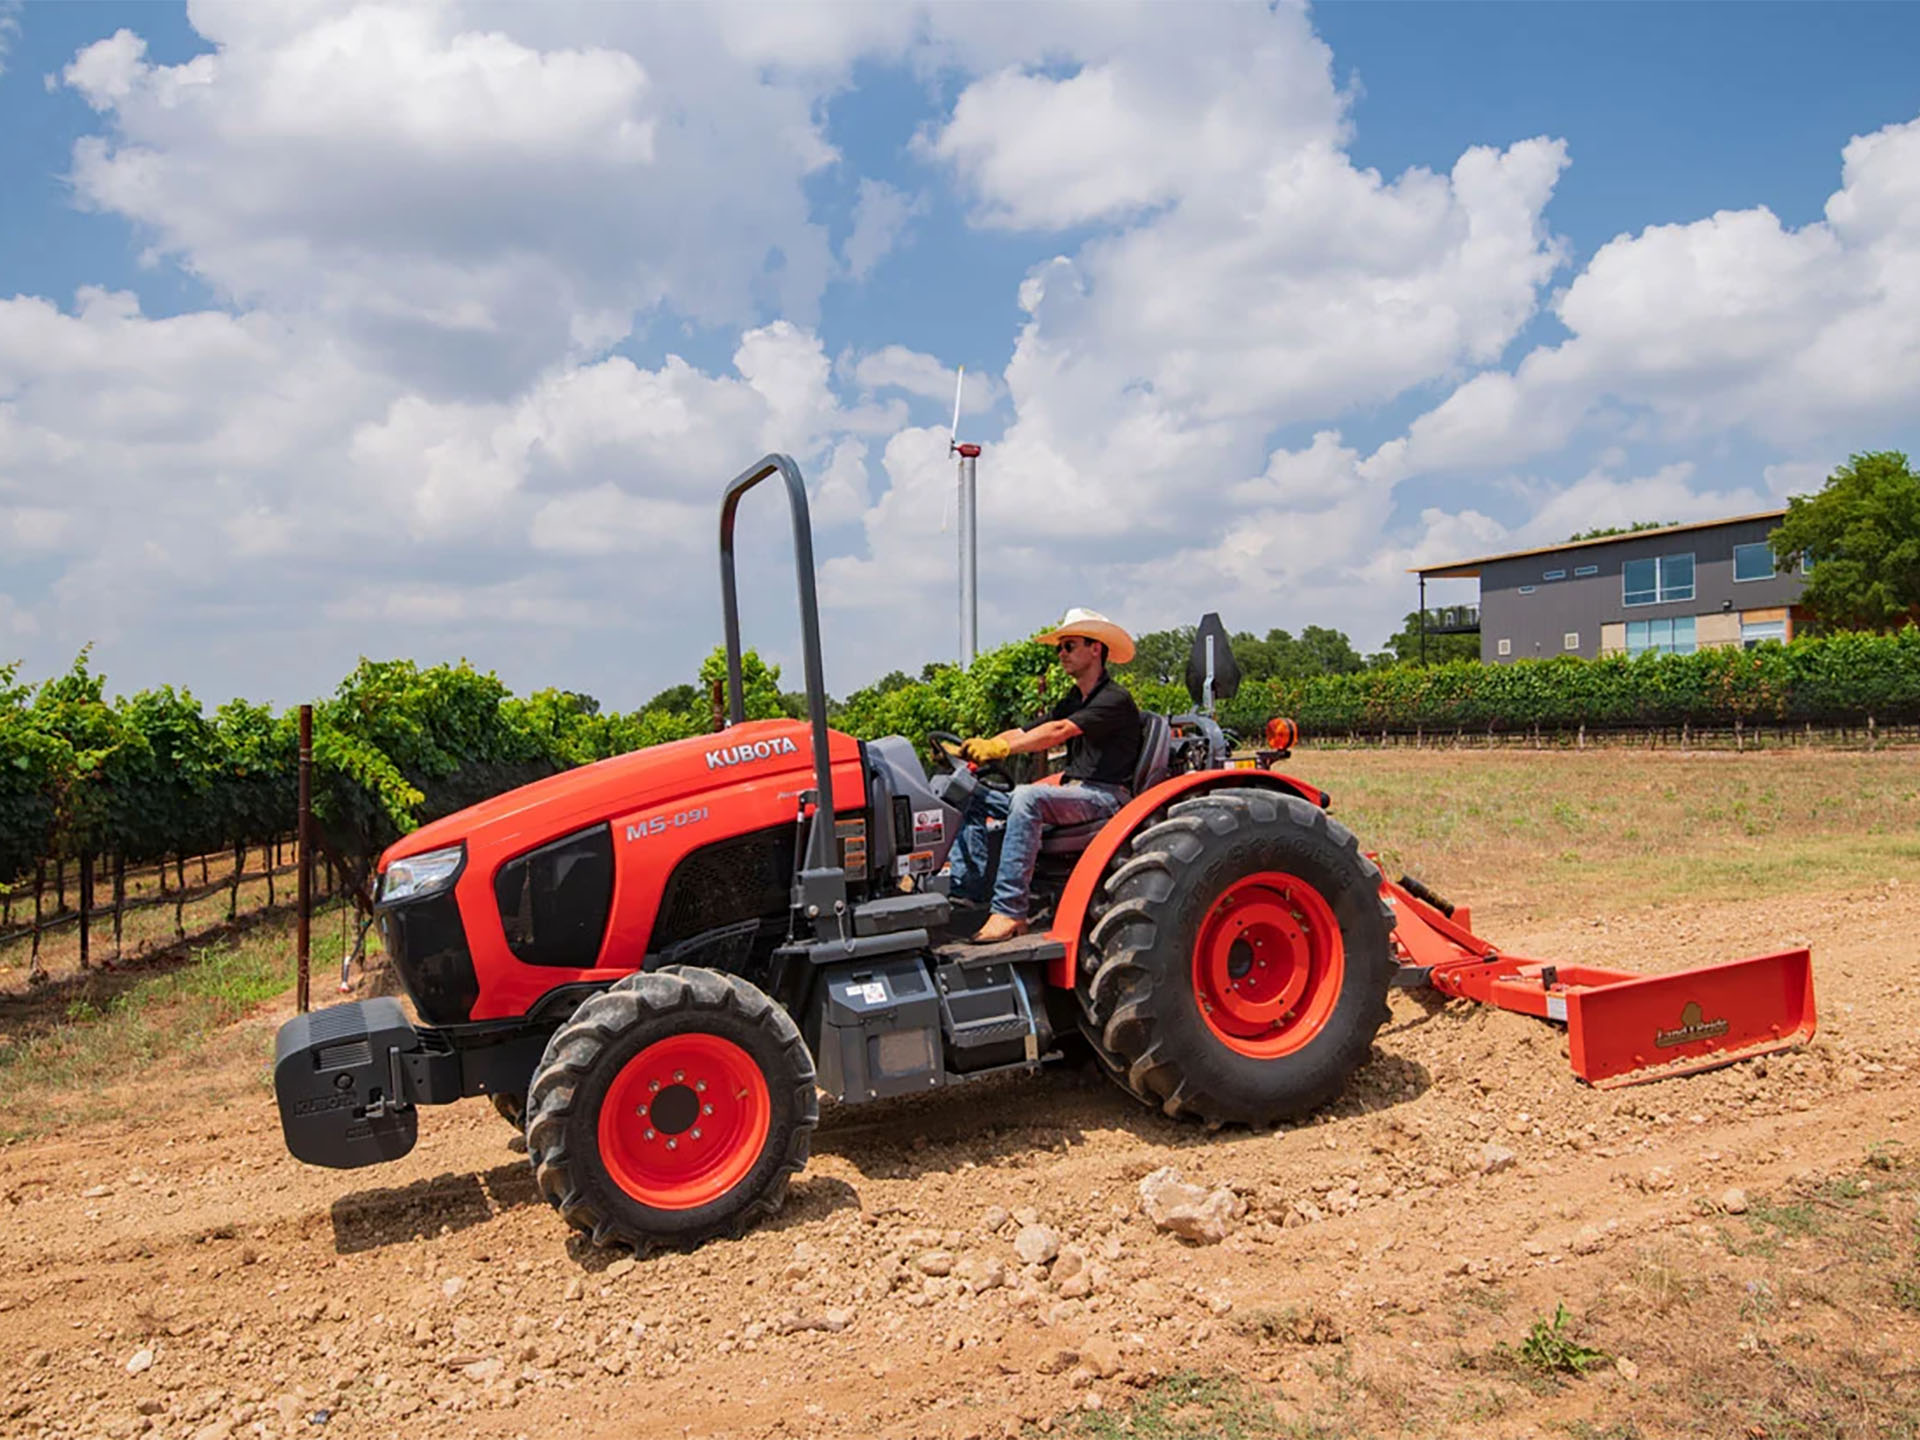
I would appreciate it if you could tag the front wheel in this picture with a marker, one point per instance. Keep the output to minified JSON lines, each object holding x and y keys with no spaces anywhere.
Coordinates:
{"x":1241,"y":961}
{"x":672,"y":1108}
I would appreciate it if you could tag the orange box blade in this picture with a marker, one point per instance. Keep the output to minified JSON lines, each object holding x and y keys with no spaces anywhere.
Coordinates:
{"x":1638,"y":1030}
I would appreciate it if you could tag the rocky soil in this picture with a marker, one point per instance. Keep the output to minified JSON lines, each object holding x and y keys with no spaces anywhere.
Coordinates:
{"x":983,"y":1262}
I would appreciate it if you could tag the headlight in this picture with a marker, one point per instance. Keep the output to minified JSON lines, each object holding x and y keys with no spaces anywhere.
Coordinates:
{"x":421,"y":875}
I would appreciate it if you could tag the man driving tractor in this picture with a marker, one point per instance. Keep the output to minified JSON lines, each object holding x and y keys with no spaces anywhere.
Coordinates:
{"x":1100,"y":726}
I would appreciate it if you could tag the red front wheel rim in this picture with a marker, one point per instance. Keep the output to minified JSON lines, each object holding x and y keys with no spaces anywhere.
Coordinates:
{"x":1268,"y":964}
{"x":684,"y":1121}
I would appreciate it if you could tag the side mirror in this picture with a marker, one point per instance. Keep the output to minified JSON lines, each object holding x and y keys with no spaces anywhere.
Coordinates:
{"x":1212,"y":655}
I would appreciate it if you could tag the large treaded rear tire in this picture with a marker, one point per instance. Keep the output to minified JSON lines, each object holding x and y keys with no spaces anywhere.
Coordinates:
{"x":588,"y":1172}
{"x":1163,"y":906}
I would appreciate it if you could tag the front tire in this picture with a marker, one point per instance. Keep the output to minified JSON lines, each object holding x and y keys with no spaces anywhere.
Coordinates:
{"x":672,"y":1108}
{"x":1241,"y":963}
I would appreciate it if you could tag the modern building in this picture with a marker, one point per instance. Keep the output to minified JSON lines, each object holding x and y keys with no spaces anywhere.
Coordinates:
{"x":1677,"y":589}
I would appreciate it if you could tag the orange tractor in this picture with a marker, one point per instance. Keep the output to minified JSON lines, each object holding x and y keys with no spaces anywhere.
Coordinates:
{"x":656,"y":963}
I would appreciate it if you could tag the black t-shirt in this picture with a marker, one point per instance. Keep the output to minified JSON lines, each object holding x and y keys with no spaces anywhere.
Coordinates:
{"x":1108,"y":746}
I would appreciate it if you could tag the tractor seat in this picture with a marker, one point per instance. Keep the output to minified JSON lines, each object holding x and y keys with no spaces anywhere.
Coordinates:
{"x":1156,"y":740}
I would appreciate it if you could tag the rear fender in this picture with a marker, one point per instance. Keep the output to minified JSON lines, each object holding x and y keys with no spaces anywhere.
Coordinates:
{"x":1070,"y":915}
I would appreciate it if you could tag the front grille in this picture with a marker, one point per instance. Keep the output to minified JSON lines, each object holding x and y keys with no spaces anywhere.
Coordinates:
{"x":428,"y":947}
{"x":554,"y":901}
{"x":746,"y":878}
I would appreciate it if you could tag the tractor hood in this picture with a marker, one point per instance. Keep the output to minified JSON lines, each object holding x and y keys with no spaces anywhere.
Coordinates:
{"x":757,"y":753}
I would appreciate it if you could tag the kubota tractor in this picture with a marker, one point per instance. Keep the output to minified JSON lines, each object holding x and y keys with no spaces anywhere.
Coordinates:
{"x":656,"y":963}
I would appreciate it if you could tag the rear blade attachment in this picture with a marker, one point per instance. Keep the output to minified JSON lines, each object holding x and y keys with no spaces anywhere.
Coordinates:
{"x":1649,"y":1027}
{"x":1622,"y":1028}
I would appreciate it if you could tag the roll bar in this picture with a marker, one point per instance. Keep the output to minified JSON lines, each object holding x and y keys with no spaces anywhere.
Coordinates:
{"x":820,"y":848}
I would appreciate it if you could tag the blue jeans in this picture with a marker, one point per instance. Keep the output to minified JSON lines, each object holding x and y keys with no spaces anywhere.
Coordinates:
{"x":1027,"y":810}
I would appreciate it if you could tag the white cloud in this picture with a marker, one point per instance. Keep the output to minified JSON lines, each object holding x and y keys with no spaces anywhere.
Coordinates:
{"x":470,"y":204}
{"x":1243,"y":276}
{"x":1730,"y":324}
{"x":881,"y":216}
{"x":897,"y":368}
{"x":9,"y":28}
{"x":35,"y":527}
{"x":1207,"y":93}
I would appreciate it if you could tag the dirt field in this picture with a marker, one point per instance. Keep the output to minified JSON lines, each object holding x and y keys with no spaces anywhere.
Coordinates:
{"x":1737,"y":1253}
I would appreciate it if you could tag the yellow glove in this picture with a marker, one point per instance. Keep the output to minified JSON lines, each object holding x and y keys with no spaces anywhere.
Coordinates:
{"x":985,"y":752}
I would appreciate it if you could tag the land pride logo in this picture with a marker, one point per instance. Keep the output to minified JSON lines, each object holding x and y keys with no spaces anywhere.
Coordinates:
{"x":1694,"y":1025}
{"x":758,"y":750}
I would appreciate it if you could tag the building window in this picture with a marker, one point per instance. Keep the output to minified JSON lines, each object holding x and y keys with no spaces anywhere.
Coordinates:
{"x":1758,"y":632}
{"x":1663,"y":637}
{"x":1503,"y":647}
{"x":1554,"y":575}
{"x":1753,"y":562}
{"x":1570,"y":640}
{"x":1580,"y":570}
{"x":1660,"y":581}
{"x":1528,"y":589}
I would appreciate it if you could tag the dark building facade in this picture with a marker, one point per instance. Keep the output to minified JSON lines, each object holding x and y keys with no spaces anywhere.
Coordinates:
{"x":1677,"y":589}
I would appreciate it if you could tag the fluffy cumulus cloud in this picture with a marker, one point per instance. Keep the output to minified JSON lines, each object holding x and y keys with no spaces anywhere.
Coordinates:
{"x":440,"y":238}
{"x":1733,"y":322}
{"x":1242,"y":275}
{"x":469,"y":204}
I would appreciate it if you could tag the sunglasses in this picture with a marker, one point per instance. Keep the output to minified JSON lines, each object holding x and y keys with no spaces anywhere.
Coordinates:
{"x":1072,"y":643}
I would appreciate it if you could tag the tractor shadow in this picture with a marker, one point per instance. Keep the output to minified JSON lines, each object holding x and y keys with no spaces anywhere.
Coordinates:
{"x":1011,"y":1117}
{"x":371,"y":1219}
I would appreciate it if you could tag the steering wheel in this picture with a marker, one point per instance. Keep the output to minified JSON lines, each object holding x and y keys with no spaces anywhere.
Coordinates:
{"x":993,"y":775}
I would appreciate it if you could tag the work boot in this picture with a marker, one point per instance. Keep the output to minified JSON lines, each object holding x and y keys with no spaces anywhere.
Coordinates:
{"x":999,"y":927}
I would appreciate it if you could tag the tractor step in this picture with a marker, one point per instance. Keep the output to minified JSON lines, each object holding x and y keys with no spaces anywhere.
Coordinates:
{"x":1017,"y":951}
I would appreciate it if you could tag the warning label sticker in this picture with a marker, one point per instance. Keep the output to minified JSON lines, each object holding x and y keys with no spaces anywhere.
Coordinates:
{"x":929,"y":827}
{"x":871,"y":992}
{"x":920,"y":862}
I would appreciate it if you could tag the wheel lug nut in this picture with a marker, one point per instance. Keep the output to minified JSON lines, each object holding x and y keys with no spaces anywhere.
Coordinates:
{"x":673,"y":1144}
{"x":679,"y":1075}
{"x":700,"y":1085}
{"x":654,"y":1085}
{"x":706,"y":1109}
{"x":696,"y":1132}
{"x":649,"y":1134}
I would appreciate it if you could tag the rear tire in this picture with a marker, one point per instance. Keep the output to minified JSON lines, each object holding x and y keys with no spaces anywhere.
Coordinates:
{"x":672,"y":1108}
{"x":1239,"y":968}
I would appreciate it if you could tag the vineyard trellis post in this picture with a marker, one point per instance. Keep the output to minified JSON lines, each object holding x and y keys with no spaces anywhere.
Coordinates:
{"x":304,"y":845}
{"x":86,"y":907}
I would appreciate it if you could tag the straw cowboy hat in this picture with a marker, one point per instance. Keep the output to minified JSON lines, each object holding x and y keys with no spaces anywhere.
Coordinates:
{"x":1092,"y":625}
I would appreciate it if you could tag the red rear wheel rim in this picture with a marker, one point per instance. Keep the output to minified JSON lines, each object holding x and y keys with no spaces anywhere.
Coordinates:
{"x":684,"y":1121}
{"x":1268,"y":964}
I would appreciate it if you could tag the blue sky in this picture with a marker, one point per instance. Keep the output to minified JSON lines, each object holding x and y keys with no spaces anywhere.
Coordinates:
{"x":348,"y":418}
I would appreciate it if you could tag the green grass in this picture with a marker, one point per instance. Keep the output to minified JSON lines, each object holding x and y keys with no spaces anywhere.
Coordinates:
{"x":1793,"y":1217}
{"x":1582,"y":828}
{"x":61,"y":1052}
{"x":1191,"y":1407}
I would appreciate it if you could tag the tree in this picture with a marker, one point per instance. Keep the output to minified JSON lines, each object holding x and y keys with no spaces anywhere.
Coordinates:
{"x":1861,"y":535}
{"x":1600,"y":532}
{"x":1318,"y":650}
{"x":763,"y":700}
{"x":680,"y":699}
{"x":1160,"y":657}
{"x":1404,"y":648}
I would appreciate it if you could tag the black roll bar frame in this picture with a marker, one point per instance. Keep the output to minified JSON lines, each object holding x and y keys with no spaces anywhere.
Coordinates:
{"x":820,"y":841}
